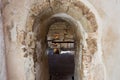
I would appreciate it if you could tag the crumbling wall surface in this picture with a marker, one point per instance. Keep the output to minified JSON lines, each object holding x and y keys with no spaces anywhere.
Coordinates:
{"x":14,"y":15}
{"x":2,"y":50}
{"x":20,"y":42}
{"x":110,"y":13}
{"x":87,"y":18}
{"x":18,"y":37}
{"x":25,"y":36}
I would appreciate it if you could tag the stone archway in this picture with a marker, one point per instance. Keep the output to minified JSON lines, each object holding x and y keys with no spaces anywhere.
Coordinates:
{"x":90,"y":50}
{"x":81,"y":14}
{"x":80,"y":35}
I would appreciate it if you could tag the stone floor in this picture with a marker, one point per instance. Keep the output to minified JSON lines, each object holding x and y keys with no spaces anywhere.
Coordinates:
{"x":62,"y":77}
{"x":61,"y":66}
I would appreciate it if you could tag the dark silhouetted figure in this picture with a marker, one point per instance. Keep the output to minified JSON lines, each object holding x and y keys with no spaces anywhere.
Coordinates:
{"x":56,"y":51}
{"x":72,"y":77}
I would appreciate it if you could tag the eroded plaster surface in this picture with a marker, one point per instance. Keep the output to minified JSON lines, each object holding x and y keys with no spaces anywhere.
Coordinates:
{"x":3,"y":75}
{"x":25,"y":37}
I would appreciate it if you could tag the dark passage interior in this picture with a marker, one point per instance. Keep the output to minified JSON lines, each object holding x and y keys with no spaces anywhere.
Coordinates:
{"x":61,"y":50}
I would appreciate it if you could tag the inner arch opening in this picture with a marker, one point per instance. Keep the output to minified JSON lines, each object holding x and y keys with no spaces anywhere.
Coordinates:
{"x":61,"y":51}
{"x":80,"y":43}
{"x":71,"y":29}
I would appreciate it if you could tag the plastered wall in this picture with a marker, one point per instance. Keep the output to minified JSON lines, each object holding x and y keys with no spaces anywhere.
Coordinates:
{"x":2,"y":50}
{"x":109,"y":10}
{"x":14,"y":16}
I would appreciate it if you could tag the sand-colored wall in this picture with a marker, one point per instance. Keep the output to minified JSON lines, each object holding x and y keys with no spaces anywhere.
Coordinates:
{"x":109,"y":10}
{"x":2,"y":50}
{"x":14,"y":16}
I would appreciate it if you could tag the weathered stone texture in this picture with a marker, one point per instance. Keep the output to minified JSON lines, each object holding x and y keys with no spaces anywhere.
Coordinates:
{"x":3,"y":75}
{"x":26,"y":24}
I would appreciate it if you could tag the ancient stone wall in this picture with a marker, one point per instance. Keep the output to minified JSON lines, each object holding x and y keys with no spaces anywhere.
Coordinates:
{"x":26,"y":25}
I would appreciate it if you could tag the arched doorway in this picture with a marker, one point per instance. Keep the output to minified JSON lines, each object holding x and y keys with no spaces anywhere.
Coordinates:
{"x":76,"y":27}
{"x":86,"y":36}
{"x":26,"y":33}
{"x":61,"y":51}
